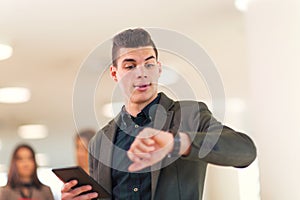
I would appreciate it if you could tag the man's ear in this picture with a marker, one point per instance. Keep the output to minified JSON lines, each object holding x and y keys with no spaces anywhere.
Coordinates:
{"x":113,"y":73}
{"x":159,"y":67}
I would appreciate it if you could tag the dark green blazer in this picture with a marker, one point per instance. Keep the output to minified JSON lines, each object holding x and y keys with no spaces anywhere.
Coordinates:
{"x":179,"y":178}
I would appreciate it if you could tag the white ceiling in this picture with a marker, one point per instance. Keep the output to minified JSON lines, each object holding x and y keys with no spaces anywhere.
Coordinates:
{"x":51,"y":39}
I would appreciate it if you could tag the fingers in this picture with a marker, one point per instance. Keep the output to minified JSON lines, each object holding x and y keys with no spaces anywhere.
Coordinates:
{"x":77,"y":191}
{"x":136,"y":166}
{"x":69,"y":185}
{"x":138,"y":157}
{"x":68,"y":193}
{"x":133,"y":157}
{"x":144,"y":142}
{"x":142,"y":146}
{"x":163,"y":139}
{"x":140,"y":150}
{"x":146,"y":151}
{"x":87,"y":196}
{"x":148,"y":141}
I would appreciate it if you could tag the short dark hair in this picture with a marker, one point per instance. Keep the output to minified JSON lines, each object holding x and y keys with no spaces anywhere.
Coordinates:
{"x":131,"y":38}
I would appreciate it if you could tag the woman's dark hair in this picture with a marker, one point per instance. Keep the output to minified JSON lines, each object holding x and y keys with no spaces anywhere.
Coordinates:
{"x":13,"y":174}
{"x":131,"y":38}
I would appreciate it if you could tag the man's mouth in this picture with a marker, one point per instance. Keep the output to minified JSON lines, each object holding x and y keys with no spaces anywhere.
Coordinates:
{"x":141,"y":86}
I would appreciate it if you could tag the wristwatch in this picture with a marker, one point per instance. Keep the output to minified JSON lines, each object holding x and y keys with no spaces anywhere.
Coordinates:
{"x":176,"y":147}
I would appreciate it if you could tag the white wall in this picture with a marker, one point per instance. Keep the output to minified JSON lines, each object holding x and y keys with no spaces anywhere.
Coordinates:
{"x":274,"y":46}
{"x":223,"y":183}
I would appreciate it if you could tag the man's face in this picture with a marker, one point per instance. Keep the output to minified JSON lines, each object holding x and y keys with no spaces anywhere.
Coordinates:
{"x":137,"y":74}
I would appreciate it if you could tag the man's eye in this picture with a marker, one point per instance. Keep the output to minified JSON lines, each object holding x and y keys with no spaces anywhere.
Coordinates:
{"x":149,"y":65}
{"x":129,"y":67}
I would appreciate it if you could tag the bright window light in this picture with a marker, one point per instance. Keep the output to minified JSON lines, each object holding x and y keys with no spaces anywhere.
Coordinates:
{"x":3,"y":179}
{"x":249,"y":182}
{"x":110,"y":110}
{"x":5,"y":51}
{"x":33,"y":131}
{"x":14,"y":95}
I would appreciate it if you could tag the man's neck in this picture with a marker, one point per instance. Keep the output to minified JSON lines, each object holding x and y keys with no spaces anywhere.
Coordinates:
{"x":135,"y":108}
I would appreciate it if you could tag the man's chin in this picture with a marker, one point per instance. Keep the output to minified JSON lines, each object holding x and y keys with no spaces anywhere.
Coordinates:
{"x":141,"y":98}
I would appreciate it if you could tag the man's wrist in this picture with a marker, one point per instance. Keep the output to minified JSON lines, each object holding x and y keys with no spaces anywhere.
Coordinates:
{"x":185,"y":147}
{"x":176,"y":146}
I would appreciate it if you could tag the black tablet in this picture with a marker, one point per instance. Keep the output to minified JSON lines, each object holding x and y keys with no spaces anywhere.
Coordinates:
{"x":77,"y":173}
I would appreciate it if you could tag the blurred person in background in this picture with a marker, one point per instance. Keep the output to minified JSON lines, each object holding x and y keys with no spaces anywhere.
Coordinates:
{"x":82,"y":140}
{"x":23,"y":182}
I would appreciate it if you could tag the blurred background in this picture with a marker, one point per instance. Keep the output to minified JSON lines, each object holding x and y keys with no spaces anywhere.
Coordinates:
{"x":254,"y":44}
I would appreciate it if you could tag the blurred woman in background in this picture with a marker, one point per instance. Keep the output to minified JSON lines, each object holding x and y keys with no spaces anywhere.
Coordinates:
{"x":23,"y":183}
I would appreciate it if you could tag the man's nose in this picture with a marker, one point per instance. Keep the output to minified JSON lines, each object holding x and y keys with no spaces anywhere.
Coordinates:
{"x":141,"y":71}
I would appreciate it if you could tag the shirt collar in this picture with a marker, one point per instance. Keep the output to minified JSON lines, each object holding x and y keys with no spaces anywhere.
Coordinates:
{"x":148,"y":111}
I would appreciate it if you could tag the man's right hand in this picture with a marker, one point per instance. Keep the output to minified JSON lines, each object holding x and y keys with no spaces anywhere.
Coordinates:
{"x":67,"y":193}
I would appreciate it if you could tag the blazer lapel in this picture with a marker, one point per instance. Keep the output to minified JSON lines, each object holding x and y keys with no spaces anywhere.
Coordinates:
{"x":162,"y":121}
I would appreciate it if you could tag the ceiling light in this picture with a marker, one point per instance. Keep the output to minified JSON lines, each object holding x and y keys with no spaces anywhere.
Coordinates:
{"x":14,"y":95}
{"x":33,"y":131}
{"x":5,"y":51}
{"x":241,"y":5}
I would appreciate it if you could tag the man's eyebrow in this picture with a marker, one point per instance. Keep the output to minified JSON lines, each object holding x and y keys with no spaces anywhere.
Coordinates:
{"x":129,"y":60}
{"x":132,"y":60}
{"x":150,"y":57}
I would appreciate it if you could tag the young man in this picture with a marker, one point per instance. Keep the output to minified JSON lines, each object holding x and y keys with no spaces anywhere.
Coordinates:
{"x":154,"y":148}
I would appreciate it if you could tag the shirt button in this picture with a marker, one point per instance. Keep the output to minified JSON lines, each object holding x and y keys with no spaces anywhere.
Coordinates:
{"x":135,"y":189}
{"x":136,"y":126}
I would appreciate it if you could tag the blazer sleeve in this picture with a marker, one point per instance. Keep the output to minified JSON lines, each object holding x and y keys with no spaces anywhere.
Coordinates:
{"x":214,"y":142}
{"x":91,"y":156}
